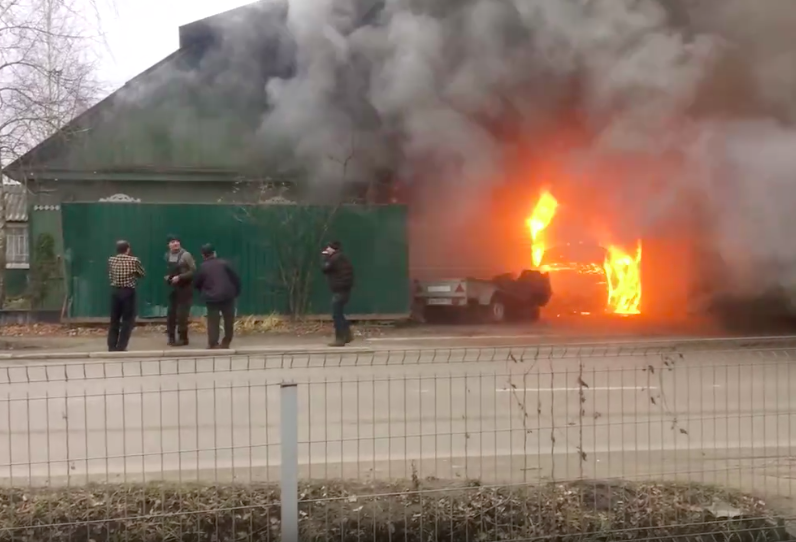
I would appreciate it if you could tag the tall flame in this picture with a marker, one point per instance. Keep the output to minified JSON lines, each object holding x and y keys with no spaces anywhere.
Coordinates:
{"x":623,"y":274}
{"x":622,"y":271}
{"x":541,"y":217}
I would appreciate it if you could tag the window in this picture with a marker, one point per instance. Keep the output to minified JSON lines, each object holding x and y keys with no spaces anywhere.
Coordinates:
{"x":17,"y":253}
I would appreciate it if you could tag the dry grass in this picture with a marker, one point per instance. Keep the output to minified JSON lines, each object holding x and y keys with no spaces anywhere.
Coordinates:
{"x":411,"y":512}
{"x":270,"y":324}
{"x":255,"y":324}
{"x":17,"y":304}
{"x":51,"y":330}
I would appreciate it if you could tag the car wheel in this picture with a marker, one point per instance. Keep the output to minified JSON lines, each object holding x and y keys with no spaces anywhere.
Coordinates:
{"x":496,"y":311}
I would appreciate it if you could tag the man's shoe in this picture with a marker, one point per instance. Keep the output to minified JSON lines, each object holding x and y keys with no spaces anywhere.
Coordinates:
{"x":339,"y":340}
{"x":224,"y":345}
{"x":212,"y":347}
{"x":349,"y":337}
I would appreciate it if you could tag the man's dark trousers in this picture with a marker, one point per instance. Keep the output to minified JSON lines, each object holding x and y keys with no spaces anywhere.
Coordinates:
{"x":342,"y":328}
{"x":180,"y":301}
{"x":122,"y":318}
{"x":215,"y":311}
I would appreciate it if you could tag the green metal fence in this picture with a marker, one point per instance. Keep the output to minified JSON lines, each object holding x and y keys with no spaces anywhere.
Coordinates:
{"x":264,"y":243}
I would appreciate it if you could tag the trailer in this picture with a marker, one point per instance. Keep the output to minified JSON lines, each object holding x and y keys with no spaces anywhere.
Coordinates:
{"x":502,"y":298}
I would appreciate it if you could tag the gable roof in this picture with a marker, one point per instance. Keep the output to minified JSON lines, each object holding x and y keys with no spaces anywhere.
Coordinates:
{"x":30,"y":161}
{"x":168,"y":111}
{"x":195,"y":114}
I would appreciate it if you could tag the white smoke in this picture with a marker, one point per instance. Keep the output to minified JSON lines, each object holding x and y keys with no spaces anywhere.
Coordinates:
{"x":427,"y":85}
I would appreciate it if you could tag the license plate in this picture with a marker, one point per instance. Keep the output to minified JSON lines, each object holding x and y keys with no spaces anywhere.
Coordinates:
{"x":439,"y":289}
{"x":440,"y":301}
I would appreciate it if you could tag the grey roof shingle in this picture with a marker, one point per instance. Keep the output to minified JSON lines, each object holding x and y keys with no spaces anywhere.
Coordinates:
{"x":16,"y":202}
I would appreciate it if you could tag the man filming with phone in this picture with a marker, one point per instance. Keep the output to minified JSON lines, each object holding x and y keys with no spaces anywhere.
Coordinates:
{"x":340,"y":275}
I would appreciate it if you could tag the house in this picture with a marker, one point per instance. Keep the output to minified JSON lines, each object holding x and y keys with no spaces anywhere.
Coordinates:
{"x":183,"y":131}
{"x":187,"y":130}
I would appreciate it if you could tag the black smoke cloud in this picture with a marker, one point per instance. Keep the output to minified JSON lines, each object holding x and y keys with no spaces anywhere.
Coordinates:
{"x":426,"y":88}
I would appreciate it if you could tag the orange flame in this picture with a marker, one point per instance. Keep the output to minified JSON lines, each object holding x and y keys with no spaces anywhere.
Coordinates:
{"x":622,"y":271}
{"x":623,"y":274}
{"x":541,"y":217}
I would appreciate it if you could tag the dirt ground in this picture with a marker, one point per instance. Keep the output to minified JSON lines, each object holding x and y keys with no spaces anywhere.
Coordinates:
{"x":274,"y":332}
{"x":152,"y":337}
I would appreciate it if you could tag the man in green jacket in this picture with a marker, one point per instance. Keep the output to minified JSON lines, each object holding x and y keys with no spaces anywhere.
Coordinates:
{"x":180,"y":267}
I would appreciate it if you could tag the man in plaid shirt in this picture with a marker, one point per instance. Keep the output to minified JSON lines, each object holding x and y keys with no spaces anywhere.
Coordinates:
{"x":124,"y":270}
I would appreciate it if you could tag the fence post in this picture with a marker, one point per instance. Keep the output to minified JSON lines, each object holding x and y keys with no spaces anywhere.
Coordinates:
{"x":289,"y":478}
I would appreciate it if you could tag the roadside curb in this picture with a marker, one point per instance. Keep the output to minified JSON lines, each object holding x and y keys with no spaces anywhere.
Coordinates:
{"x":186,"y":353}
{"x":45,"y":355}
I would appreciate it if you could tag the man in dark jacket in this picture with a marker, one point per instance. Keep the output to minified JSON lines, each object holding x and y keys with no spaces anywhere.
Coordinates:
{"x":340,"y":274}
{"x":180,"y":267}
{"x":220,"y":286}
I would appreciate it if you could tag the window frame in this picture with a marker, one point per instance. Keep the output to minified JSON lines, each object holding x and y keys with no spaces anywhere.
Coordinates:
{"x":17,"y":230}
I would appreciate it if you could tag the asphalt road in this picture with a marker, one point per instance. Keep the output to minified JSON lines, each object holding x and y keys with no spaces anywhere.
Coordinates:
{"x":709,"y":411}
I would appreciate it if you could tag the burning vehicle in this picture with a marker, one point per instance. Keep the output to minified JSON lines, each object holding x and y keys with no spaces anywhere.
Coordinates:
{"x":577,"y":278}
{"x":587,"y":277}
{"x":583,"y":277}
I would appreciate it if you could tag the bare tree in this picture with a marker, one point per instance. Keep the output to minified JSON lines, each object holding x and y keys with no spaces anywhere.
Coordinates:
{"x":297,"y":232}
{"x":47,"y":67}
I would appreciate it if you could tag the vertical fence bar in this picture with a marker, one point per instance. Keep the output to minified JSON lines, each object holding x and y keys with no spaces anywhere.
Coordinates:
{"x":289,"y":453}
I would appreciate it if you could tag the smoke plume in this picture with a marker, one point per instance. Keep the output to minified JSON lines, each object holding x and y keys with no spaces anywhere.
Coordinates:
{"x":442,"y":91}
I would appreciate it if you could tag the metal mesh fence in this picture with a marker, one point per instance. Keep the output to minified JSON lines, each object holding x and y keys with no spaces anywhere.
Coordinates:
{"x":609,"y":442}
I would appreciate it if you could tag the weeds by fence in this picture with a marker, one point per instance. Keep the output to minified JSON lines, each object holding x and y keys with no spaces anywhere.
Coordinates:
{"x":660,"y":442}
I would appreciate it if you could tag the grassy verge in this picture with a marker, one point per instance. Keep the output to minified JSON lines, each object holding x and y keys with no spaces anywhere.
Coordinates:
{"x":411,"y":512}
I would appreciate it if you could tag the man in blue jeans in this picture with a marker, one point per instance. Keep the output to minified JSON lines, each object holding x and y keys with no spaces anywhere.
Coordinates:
{"x":340,"y":274}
